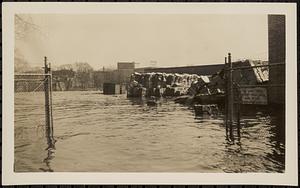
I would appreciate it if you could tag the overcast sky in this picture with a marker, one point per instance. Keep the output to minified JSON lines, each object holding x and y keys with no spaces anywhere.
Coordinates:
{"x":170,"y":40}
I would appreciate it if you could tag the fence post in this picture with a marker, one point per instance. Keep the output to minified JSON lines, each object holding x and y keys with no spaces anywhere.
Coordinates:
{"x":230,"y":97}
{"x":48,"y":105}
{"x":238,"y":114}
{"x":226,"y":97}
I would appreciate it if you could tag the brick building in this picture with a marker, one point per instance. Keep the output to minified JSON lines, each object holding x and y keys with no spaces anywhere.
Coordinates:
{"x":276,"y":31}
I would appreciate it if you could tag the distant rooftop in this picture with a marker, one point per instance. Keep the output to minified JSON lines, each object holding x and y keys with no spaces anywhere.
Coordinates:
{"x":126,"y":65}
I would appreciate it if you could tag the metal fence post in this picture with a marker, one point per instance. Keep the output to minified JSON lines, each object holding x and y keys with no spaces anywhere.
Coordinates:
{"x":230,"y":98}
{"x":226,"y":97}
{"x":238,"y":113}
{"x":48,"y":105}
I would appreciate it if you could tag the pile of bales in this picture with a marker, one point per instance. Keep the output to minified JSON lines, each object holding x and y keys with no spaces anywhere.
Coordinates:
{"x":173,"y":84}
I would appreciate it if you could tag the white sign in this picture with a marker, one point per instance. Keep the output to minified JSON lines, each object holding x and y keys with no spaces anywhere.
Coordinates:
{"x":256,"y":95}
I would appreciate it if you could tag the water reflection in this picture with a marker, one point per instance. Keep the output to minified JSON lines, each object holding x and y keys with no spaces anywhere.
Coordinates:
{"x":137,"y":101}
{"x":50,"y":149}
{"x":98,"y":133}
{"x":47,"y":160}
{"x":260,"y":127}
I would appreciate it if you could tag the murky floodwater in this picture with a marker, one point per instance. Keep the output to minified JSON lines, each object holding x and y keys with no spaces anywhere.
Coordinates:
{"x":104,"y":133}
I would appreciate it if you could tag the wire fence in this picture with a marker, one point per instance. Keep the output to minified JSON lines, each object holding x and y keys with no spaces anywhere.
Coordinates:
{"x":33,"y":108}
{"x":29,"y":101}
{"x":240,"y":90}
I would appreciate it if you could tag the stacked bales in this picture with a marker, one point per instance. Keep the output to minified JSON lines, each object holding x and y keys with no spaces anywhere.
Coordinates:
{"x":217,"y":83}
{"x":200,"y":86}
{"x":160,"y":84}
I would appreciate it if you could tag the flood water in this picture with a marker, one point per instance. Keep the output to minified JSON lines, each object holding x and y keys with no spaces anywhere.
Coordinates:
{"x":106,"y":133}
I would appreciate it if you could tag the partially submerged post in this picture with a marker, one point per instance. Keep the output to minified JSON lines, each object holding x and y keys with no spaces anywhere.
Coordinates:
{"x":238,"y":124}
{"x":48,"y":104}
{"x":230,"y":97}
{"x":226,"y":97}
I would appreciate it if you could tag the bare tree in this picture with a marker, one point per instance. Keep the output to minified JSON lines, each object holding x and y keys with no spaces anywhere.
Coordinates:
{"x":84,"y":74}
{"x":23,"y":26}
{"x":21,"y":65}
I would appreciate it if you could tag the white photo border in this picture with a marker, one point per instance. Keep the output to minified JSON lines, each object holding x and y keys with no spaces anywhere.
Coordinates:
{"x":9,"y":177}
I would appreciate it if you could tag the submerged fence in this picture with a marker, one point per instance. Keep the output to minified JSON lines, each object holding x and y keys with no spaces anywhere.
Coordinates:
{"x":238,"y":94}
{"x":33,"y":101}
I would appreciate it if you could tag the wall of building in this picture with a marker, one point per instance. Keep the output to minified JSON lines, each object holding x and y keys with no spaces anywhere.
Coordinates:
{"x":101,"y":77}
{"x":125,"y":69}
{"x":126,"y":65}
{"x":121,"y":75}
{"x":200,"y":70}
{"x":276,"y":31}
{"x":124,"y":75}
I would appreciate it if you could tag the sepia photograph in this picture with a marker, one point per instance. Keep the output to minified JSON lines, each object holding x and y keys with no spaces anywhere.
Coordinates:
{"x":150,"y":93}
